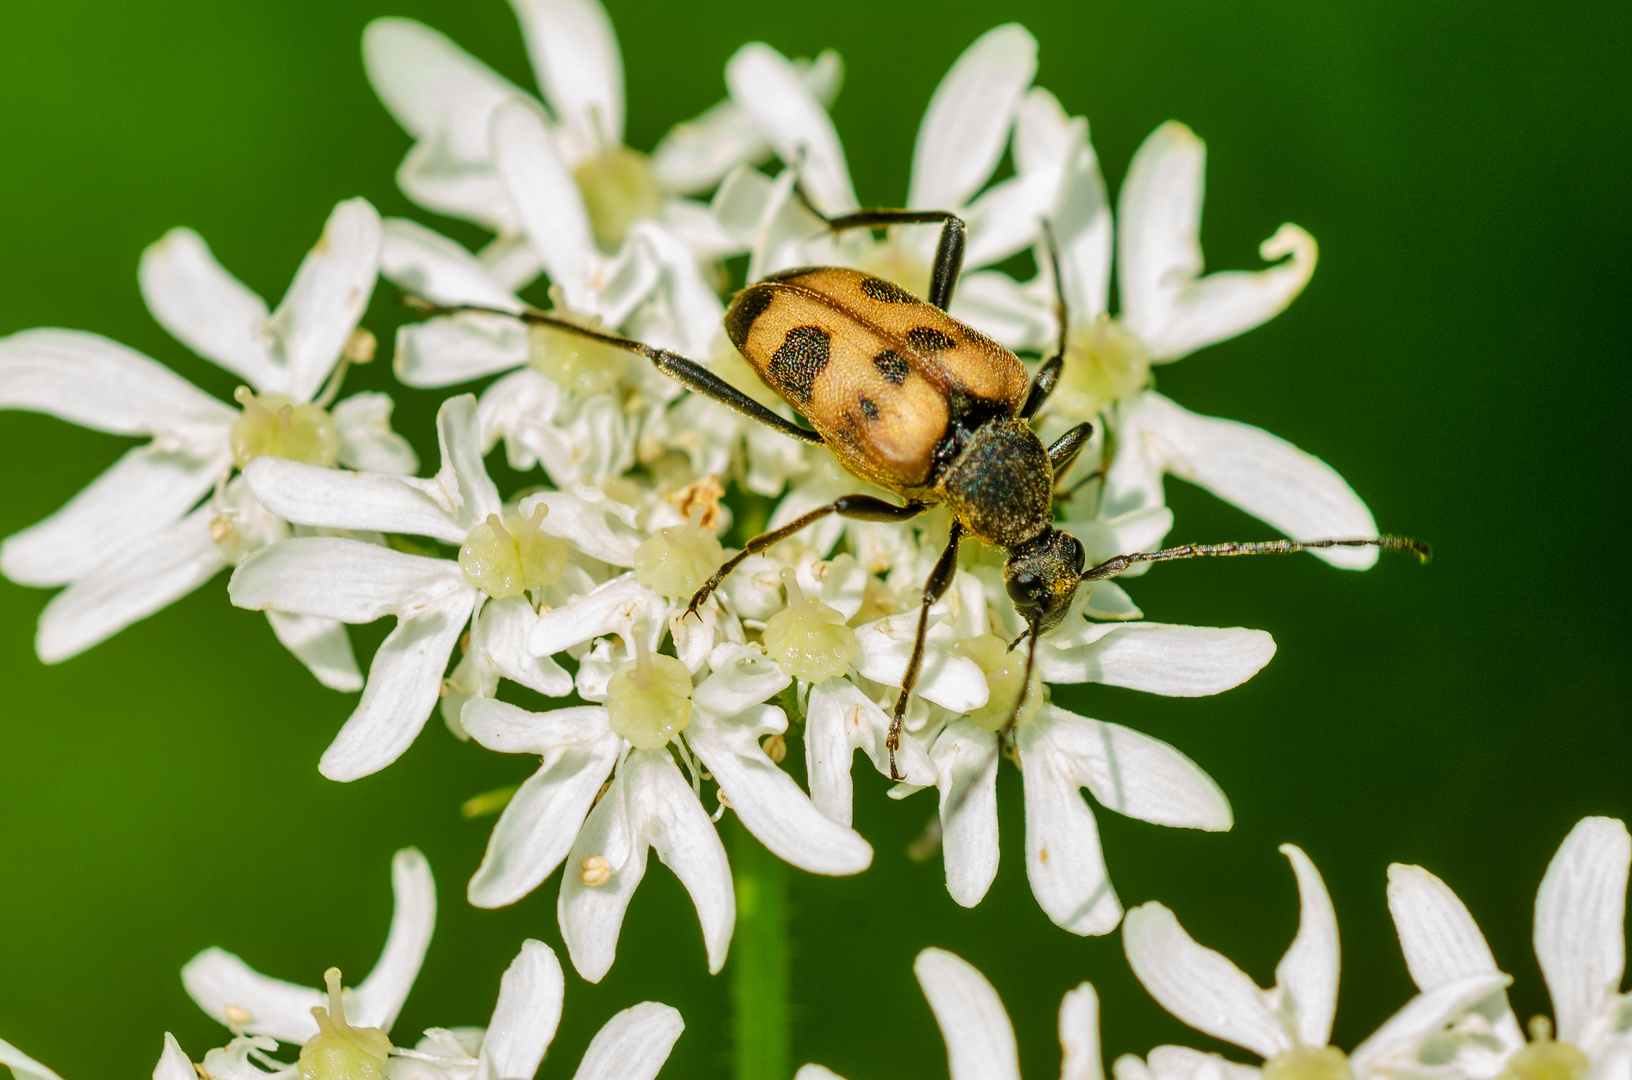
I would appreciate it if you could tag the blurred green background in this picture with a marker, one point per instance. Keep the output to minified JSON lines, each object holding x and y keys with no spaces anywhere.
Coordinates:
{"x":1461,"y":356}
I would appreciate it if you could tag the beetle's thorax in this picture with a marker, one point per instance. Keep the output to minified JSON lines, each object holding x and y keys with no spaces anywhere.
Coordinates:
{"x":1000,"y":485}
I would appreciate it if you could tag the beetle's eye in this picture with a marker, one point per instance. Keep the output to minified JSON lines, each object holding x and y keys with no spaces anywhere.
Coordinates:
{"x":1026,"y":589}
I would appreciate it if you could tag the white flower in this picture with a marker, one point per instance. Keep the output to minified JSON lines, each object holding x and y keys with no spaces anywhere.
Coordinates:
{"x":505,"y":558}
{"x":979,"y":1037}
{"x":1290,"y":1024}
{"x":138,"y":538}
{"x":173,"y":1064}
{"x":447,"y":99}
{"x":1581,"y":944}
{"x":1169,"y":310}
{"x":263,"y":1011}
{"x":652,"y":713}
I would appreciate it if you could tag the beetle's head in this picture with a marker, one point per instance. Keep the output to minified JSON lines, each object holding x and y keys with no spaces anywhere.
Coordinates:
{"x":1042,"y":575}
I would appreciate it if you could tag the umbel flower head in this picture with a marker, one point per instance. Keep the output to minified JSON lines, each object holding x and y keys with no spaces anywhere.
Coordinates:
{"x":345,"y":1035}
{"x":1289,"y":1025}
{"x":1580,"y":940}
{"x":139,"y":538}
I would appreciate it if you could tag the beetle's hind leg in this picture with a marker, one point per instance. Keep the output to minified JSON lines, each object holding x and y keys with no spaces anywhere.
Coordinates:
{"x":688,"y":373}
{"x":860,"y":507}
{"x":939,"y":578}
{"x":948,"y":265}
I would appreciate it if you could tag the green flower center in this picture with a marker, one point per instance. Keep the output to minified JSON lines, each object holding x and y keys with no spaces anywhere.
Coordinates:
{"x":648,"y":700}
{"x":575,"y":363}
{"x":677,"y":561}
{"x":619,"y":187}
{"x":507,"y":558}
{"x":273,"y":425}
{"x":339,"y":1051}
{"x":1104,"y":363}
{"x":1544,"y":1059}
{"x":808,"y":638}
{"x":1005,"y":670}
{"x":1309,"y":1063}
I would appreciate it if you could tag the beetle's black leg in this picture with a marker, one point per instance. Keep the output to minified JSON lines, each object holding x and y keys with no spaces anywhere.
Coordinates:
{"x":1066,"y":448}
{"x":860,"y":507}
{"x":943,"y":278}
{"x":1048,"y":376}
{"x":939,"y":578}
{"x":688,"y":373}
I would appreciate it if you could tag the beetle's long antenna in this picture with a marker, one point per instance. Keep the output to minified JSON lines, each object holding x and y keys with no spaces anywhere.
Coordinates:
{"x":1112,"y":567}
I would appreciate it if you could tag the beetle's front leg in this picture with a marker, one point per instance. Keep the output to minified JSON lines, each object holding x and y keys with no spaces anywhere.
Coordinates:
{"x":939,"y":578}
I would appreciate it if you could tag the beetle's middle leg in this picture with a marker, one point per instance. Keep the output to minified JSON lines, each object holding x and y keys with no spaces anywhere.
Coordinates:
{"x":1048,"y":376}
{"x":860,"y":507}
{"x":939,"y":578}
{"x":948,"y":265}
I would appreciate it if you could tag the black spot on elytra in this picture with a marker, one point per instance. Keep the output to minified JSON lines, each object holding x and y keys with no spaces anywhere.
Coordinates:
{"x":869,"y":409}
{"x":801,"y":358}
{"x":930,"y":340}
{"x":890,"y":365}
{"x":748,"y":306}
{"x":886,"y":292}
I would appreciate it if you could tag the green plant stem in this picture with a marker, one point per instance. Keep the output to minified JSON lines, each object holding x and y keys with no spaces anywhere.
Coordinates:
{"x":759,"y":961}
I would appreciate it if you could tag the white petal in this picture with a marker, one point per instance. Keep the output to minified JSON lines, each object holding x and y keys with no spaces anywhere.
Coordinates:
{"x":322,"y":645}
{"x":1002,"y":308}
{"x":767,"y":800}
{"x":458,"y":348}
{"x":462,"y":482}
{"x":1580,"y":922}
{"x":337,"y":499}
{"x":89,"y":380}
{"x":666,"y":815}
{"x":24,"y":1067}
{"x":593,"y":528}
{"x":501,"y":633}
{"x":979,"y":1038}
{"x":148,"y":575}
{"x":510,"y":729}
{"x":953,"y":682}
{"x":1198,"y":985}
{"x":768,"y":88}
{"x":206,"y":308}
{"x":743,"y":677}
{"x":1006,"y":218}
{"x":349,"y":580}
{"x":551,"y":206}
{"x":1132,"y":773}
{"x":432,"y":86}
{"x":575,"y":56}
{"x":1178,"y":661}
{"x":633,"y":1045}
{"x":218,"y":980}
{"x":174,"y":1064}
{"x":379,"y":997}
{"x":1264,"y":475}
{"x":1079,"y":1035}
{"x":1307,"y":974}
{"x":966,"y":762}
{"x":542,"y":821}
{"x":426,"y":263}
{"x":1396,"y":1047}
{"x":1063,"y":858}
{"x":367,"y":442}
{"x":816,"y":1072}
{"x":526,"y":1015}
{"x":1440,"y":940}
{"x":147,"y":489}
{"x":328,"y":296}
{"x":966,"y":128}
{"x":1165,"y":300}
{"x":684,"y":310}
{"x":613,"y":607}
{"x":1082,"y":227}
{"x":839,"y":719}
{"x":404,"y":682}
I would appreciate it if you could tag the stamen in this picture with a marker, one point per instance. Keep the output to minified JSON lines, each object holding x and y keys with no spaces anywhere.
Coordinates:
{"x":596,"y":872}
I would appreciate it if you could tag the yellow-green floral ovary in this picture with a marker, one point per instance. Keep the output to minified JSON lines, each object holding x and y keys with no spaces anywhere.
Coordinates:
{"x":509,"y":557}
{"x":1104,"y":363}
{"x":1309,"y":1063}
{"x":272,"y":425}
{"x":339,"y":1051}
{"x":575,"y":363}
{"x":1004,"y":668}
{"x":677,"y":561}
{"x":619,"y":188}
{"x":808,"y":638}
{"x":1544,"y":1059}
{"x":648,"y":701}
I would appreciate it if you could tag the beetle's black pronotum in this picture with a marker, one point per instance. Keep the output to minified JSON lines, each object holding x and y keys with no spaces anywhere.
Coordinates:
{"x":911,"y":399}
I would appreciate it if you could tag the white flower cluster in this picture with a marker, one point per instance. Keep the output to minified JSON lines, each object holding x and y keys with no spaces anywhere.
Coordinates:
{"x":574,"y":586}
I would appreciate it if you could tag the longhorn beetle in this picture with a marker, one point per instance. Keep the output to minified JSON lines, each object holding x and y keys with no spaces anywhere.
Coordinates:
{"x":911,"y":399}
